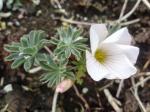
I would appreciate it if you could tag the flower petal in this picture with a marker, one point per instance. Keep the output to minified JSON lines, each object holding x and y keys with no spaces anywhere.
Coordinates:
{"x":98,"y":33}
{"x":131,"y":52}
{"x":94,"y":68}
{"x":121,"y":36}
{"x":111,"y":76}
{"x":117,"y":62}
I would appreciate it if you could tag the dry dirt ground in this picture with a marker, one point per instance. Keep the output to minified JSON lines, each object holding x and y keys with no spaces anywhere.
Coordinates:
{"x":48,"y":17}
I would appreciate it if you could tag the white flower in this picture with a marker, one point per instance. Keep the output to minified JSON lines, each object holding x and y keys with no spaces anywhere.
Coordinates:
{"x":112,"y":57}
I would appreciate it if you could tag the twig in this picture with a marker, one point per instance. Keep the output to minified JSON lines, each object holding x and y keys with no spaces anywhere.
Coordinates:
{"x":139,"y":101}
{"x":75,"y":22}
{"x":82,"y":108}
{"x":48,"y":50}
{"x":34,"y":70}
{"x":88,"y":23}
{"x":130,"y":22}
{"x":146,"y":65}
{"x":135,"y":93}
{"x":112,"y":101}
{"x":5,"y":14}
{"x":119,"y":88}
{"x":5,"y":108}
{"x":146,"y":3}
{"x":129,"y":13}
{"x":123,"y":9}
{"x":81,"y":97}
{"x":106,"y":86}
{"x":54,"y":101}
{"x":143,"y":74}
{"x":143,"y":81}
{"x":57,"y":3}
{"x":121,"y":17}
{"x":1,"y":81}
{"x":98,"y":98}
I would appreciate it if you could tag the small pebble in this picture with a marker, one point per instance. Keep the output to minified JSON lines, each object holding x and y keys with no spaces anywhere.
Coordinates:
{"x":36,"y":2}
{"x":10,"y":23}
{"x":2,"y":81}
{"x":85,"y":18}
{"x":20,"y":16}
{"x":85,"y":90}
{"x":39,"y":12}
{"x":8,"y":88}
{"x":2,"y":25}
{"x":17,"y":23}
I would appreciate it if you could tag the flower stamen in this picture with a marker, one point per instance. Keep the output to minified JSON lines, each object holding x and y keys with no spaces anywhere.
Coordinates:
{"x":100,"y":55}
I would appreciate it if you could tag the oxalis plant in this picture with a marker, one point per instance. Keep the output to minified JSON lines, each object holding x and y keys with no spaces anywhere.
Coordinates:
{"x":68,"y":57}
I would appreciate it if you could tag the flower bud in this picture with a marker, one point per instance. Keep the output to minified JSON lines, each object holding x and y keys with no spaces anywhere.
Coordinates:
{"x":64,"y":85}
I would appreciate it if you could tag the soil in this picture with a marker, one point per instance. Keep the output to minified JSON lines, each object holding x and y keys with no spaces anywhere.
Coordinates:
{"x":38,"y":98}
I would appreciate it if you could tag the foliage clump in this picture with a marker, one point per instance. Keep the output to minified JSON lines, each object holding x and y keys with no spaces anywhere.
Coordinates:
{"x":63,"y":62}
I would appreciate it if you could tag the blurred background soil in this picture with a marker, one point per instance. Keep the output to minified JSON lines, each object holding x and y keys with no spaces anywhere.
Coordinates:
{"x":29,"y":95}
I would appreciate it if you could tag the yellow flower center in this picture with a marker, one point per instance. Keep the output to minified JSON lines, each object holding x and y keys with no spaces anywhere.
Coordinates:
{"x":100,"y":55}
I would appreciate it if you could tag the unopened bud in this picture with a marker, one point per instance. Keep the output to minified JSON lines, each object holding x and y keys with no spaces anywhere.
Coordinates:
{"x":64,"y":85}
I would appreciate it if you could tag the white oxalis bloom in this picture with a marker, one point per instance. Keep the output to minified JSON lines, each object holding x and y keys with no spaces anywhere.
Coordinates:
{"x":112,"y":57}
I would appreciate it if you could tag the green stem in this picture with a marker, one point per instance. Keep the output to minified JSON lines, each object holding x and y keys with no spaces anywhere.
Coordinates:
{"x":54,"y":101}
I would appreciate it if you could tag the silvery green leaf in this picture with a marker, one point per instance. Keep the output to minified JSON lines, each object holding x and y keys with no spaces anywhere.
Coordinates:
{"x":36,"y":37}
{"x":30,"y":50}
{"x":41,"y":57}
{"x":11,"y":57}
{"x":16,"y":5}
{"x":36,"y":2}
{"x":11,"y":48}
{"x":27,"y":49}
{"x":9,"y":3}
{"x":1,"y":4}
{"x":28,"y":64}
{"x":24,"y":41}
{"x":69,"y":43}
{"x":18,"y":62}
{"x":54,"y":71}
{"x":8,"y":88}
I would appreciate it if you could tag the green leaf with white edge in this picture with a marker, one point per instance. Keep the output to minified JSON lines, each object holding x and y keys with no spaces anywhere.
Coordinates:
{"x":44,"y":66}
{"x":54,"y":41}
{"x":18,"y":62}
{"x":48,"y":64}
{"x":9,"y":3}
{"x":11,"y":48}
{"x":43,"y":43}
{"x":30,"y":50}
{"x":41,"y":57}
{"x":28,"y":63}
{"x":1,"y":4}
{"x":54,"y":71}
{"x":36,"y":36}
{"x":11,"y":57}
{"x":24,"y":41}
{"x":70,"y":43}
{"x":51,"y":79}
{"x":67,"y":53}
{"x":28,"y":47}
